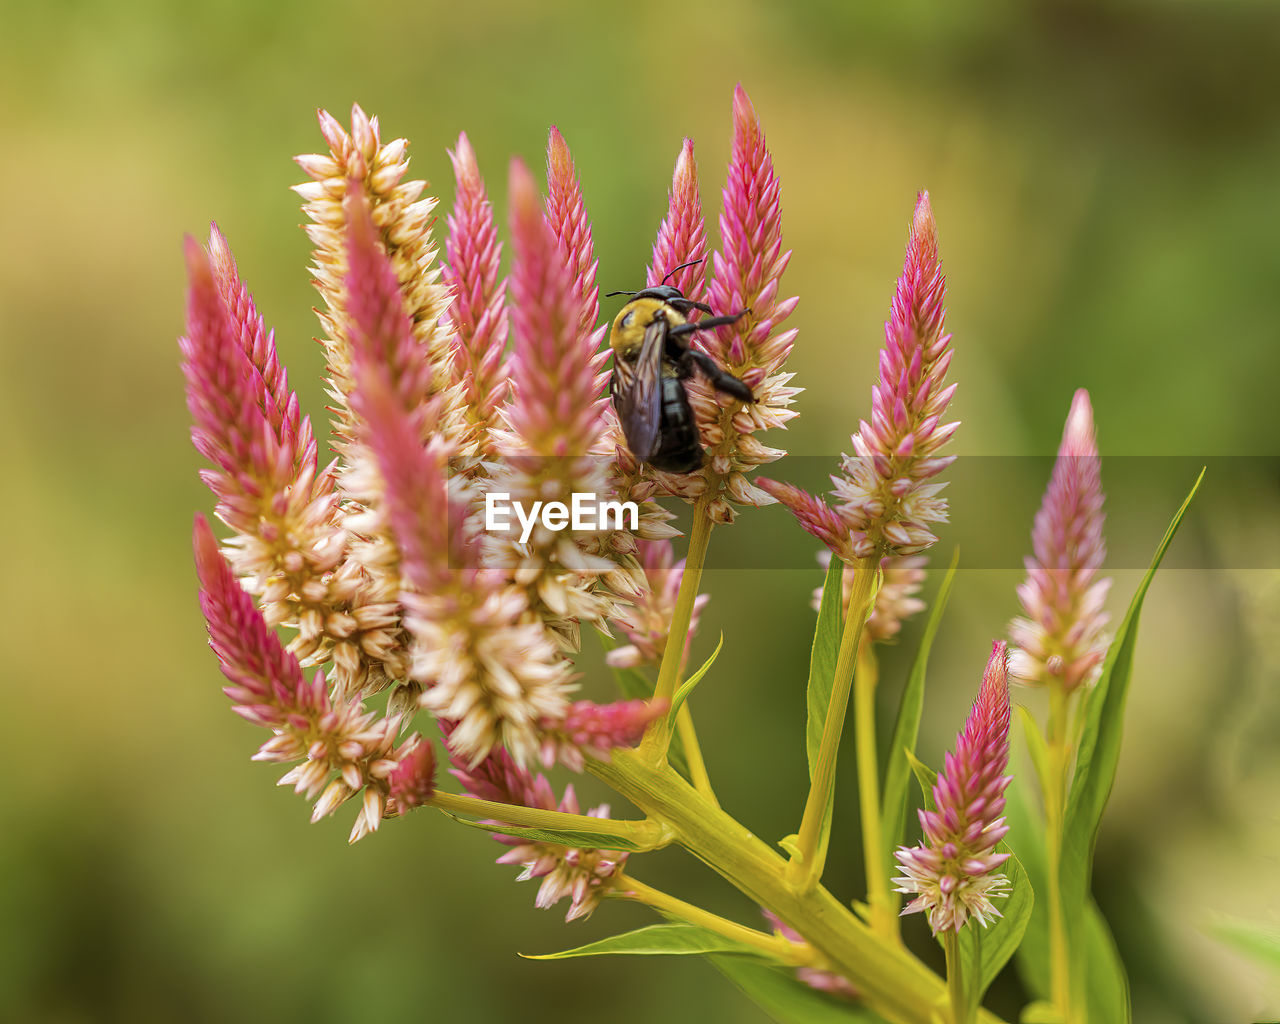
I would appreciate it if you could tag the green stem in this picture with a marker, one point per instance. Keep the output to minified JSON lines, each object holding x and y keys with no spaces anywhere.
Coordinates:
{"x":650,"y":835}
{"x":793,"y":954}
{"x":892,"y":981}
{"x":1054,"y":799}
{"x":658,"y":737}
{"x":883,"y":920}
{"x":955,"y":977}
{"x":807,"y":863}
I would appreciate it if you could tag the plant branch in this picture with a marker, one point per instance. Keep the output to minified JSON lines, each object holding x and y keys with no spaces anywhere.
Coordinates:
{"x":647,"y":835}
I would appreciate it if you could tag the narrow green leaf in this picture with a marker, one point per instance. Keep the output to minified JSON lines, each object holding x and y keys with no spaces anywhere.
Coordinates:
{"x":654,"y":940}
{"x":893,"y":808}
{"x":688,"y":685}
{"x":925,"y":775}
{"x":583,"y":839}
{"x":1026,"y":839}
{"x":823,"y":656}
{"x":985,"y":951}
{"x":787,"y":1000}
{"x":1099,"y":755}
{"x":1105,"y":980}
{"x":635,"y":686}
{"x":1253,"y":938}
{"x":822,"y":673}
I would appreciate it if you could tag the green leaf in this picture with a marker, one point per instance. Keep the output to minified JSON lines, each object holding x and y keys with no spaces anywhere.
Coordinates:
{"x":1097,"y":759}
{"x":1026,"y":839}
{"x":581,"y":838}
{"x":635,"y":686}
{"x":893,"y":810}
{"x":822,"y":673}
{"x":1107,"y":984}
{"x":925,"y":775}
{"x":1253,"y":938}
{"x":688,"y":685}
{"x":655,"y":940}
{"x":985,"y":951}
{"x":786,"y":999}
{"x":823,"y":656}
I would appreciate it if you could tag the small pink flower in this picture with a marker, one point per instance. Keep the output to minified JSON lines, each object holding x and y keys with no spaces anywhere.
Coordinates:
{"x":952,"y":873}
{"x":412,"y":783}
{"x":1063,"y":638}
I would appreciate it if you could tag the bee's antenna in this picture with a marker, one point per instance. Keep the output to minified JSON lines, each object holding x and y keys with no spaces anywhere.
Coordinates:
{"x":609,"y":295}
{"x":676,"y":270}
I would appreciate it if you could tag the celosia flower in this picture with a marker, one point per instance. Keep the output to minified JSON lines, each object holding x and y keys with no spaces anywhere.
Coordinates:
{"x":593,"y":730}
{"x":478,"y":313}
{"x":290,"y":543}
{"x":581,"y":875}
{"x":555,"y":420}
{"x":885,"y":494}
{"x":952,"y":873}
{"x":895,"y":600}
{"x":1062,"y":639}
{"x":344,"y":749}
{"x":483,"y":661}
{"x":747,"y":272}
{"x":816,"y":978}
{"x":357,"y":160}
{"x":647,"y":620}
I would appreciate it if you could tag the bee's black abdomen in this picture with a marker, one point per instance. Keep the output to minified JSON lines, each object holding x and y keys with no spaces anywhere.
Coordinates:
{"x":681,"y":447}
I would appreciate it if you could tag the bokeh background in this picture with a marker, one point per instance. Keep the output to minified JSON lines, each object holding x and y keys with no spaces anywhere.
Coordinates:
{"x":1105,"y":180}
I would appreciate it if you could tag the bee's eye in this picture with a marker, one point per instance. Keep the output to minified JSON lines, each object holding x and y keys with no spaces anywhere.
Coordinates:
{"x":626,"y":320}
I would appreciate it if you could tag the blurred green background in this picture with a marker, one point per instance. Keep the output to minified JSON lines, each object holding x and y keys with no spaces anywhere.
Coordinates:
{"x":1105,"y":182}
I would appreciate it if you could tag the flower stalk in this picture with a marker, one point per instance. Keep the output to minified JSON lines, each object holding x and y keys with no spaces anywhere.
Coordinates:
{"x":883,"y":920}
{"x":640,"y":835}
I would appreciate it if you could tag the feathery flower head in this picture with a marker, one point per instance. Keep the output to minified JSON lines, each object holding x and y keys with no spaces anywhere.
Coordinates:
{"x":747,"y":272}
{"x":343,"y":748}
{"x":358,"y":160}
{"x":290,"y":545}
{"x":567,"y":217}
{"x":1062,"y":639}
{"x":478,"y":314}
{"x":901,"y":579}
{"x":581,"y":875}
{"x":885,"y":495}
{"x":952,"y":873}
{"x":682,"y":238}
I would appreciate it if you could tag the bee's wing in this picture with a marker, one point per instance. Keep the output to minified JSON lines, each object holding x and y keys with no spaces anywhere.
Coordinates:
{"x":637,"y":393}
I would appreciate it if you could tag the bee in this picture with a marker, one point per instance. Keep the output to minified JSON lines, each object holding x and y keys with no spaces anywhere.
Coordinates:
{"x":652,"y":359}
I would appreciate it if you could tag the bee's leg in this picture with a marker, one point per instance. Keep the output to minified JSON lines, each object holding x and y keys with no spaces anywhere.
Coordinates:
{"x":706,"y":322}
{"x":720,"y":380}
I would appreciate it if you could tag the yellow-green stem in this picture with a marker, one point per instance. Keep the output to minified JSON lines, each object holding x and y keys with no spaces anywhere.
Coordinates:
{"x":955,"y":977}
{"x":693,"y":753}
{"x":793,"y":954}
{"x":806,"y":865}
{"x":658,"y":737}
{"x":1054,"y":799}
{"x":892,"y":981}
{"x":883,"y":920}
{"x":648,"y":835}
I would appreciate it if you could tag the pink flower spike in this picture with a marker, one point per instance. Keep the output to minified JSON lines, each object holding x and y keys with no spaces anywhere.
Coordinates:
{"x":952,"y":873}
{"x":595,"y":729}
{"x":1062,"y":639}
{"x":412,"y":782}
{"x":815,"y":515}
{"x":647,"y":619}
{"x":568,"y":220}
{"x":682,"y":238}
{"x":885,"y":493}
{"x":478,"y":313}
{"x":558,"y":407}
{"x":747,"y":272}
